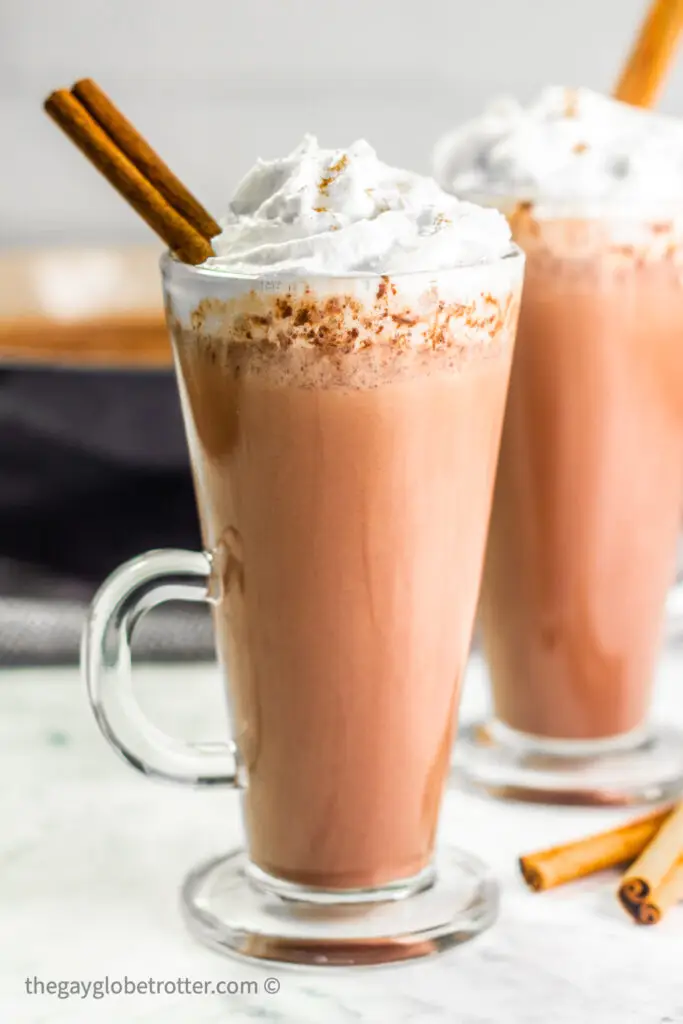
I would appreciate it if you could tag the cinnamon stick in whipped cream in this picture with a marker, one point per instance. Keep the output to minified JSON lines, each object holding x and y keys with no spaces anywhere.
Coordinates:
{"x":613,"y":848}
{"x":655,"y":881}
{"x":135,"y":179}
{"x":136,"y":148}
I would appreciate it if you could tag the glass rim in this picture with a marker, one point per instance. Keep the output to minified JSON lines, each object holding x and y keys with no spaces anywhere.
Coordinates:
{"x":171,"y":265}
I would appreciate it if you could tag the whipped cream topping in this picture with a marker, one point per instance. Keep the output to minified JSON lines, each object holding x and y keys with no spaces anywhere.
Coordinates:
{"x":570,"y":146}
{"x":335,"y":211}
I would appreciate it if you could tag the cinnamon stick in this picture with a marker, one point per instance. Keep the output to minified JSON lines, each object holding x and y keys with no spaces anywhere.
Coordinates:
{"x":646,"y":68}
{"x":142,"y":156}
{"x":655,"y":881}
{"x":102,"y":151}
{"x":651,"y":910}
{"x":559,"y":864}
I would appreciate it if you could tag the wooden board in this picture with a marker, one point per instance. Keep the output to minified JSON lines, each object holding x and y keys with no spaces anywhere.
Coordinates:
{"x":83,"y":307}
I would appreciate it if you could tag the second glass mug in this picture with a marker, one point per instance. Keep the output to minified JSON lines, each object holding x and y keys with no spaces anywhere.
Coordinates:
{"x":586,"y":514}
{"x":343,"y":436}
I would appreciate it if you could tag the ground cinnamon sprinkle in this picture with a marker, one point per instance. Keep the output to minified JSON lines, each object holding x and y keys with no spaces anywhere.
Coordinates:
{"x":334,"y":324}
{"x":571,"y":103}
{"x":580,"y":147}
{"x":284,"y":308}
{"x":334,"y":170}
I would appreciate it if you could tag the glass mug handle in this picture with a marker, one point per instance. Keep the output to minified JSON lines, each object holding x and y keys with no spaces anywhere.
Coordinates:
{"x":132,"y":590}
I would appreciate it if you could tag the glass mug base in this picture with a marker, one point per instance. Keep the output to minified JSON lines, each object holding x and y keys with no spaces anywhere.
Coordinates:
{"x":638,"y":768}
{"x":238,"y":910}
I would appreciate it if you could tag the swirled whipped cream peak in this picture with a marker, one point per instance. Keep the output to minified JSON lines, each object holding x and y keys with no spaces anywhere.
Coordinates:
{"x":343,"y":211}
{"x":569,"y":146}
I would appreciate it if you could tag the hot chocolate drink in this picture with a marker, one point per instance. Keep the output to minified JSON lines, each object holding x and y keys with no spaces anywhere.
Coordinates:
{"x":343,"y":362}
{"x":344,"y":433}
{"x":588,"y":496}
{"x":336,"y":485}
{"x":590,"y":482}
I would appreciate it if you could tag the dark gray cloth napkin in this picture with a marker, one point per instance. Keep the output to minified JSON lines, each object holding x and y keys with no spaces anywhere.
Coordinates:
{"x":48,"y":632}
{"x":93,"y":470}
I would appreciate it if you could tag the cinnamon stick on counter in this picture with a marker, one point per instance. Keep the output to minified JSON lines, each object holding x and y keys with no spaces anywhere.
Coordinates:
{"x":650,"y":59}
{"x":560,"y":864}
{"x":133,"y":180}
{"x":655,"y":882}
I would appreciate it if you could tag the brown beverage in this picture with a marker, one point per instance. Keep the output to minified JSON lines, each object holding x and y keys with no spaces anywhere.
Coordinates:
{"x":588,"y":495}
{"x":342,"y":358}
{"x":344,"y":440}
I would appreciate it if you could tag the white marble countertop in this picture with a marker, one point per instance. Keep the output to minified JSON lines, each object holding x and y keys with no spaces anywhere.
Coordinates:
{"x":91,"y":857}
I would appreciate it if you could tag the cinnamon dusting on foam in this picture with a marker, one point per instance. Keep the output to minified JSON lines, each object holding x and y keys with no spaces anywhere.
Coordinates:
{"x":345,"y":323}
{"x":571,"y":103}
{"x":570,"y":150}
{"x":617,"y":244}
{"x":334,"y":171}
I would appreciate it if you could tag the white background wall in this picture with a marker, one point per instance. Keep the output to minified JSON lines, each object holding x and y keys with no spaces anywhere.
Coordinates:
{"x":214,"y":83}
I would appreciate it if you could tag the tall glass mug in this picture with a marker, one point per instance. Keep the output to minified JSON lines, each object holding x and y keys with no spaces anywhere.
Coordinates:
{"x":586,"y":515}
{"x":343,"y":434}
